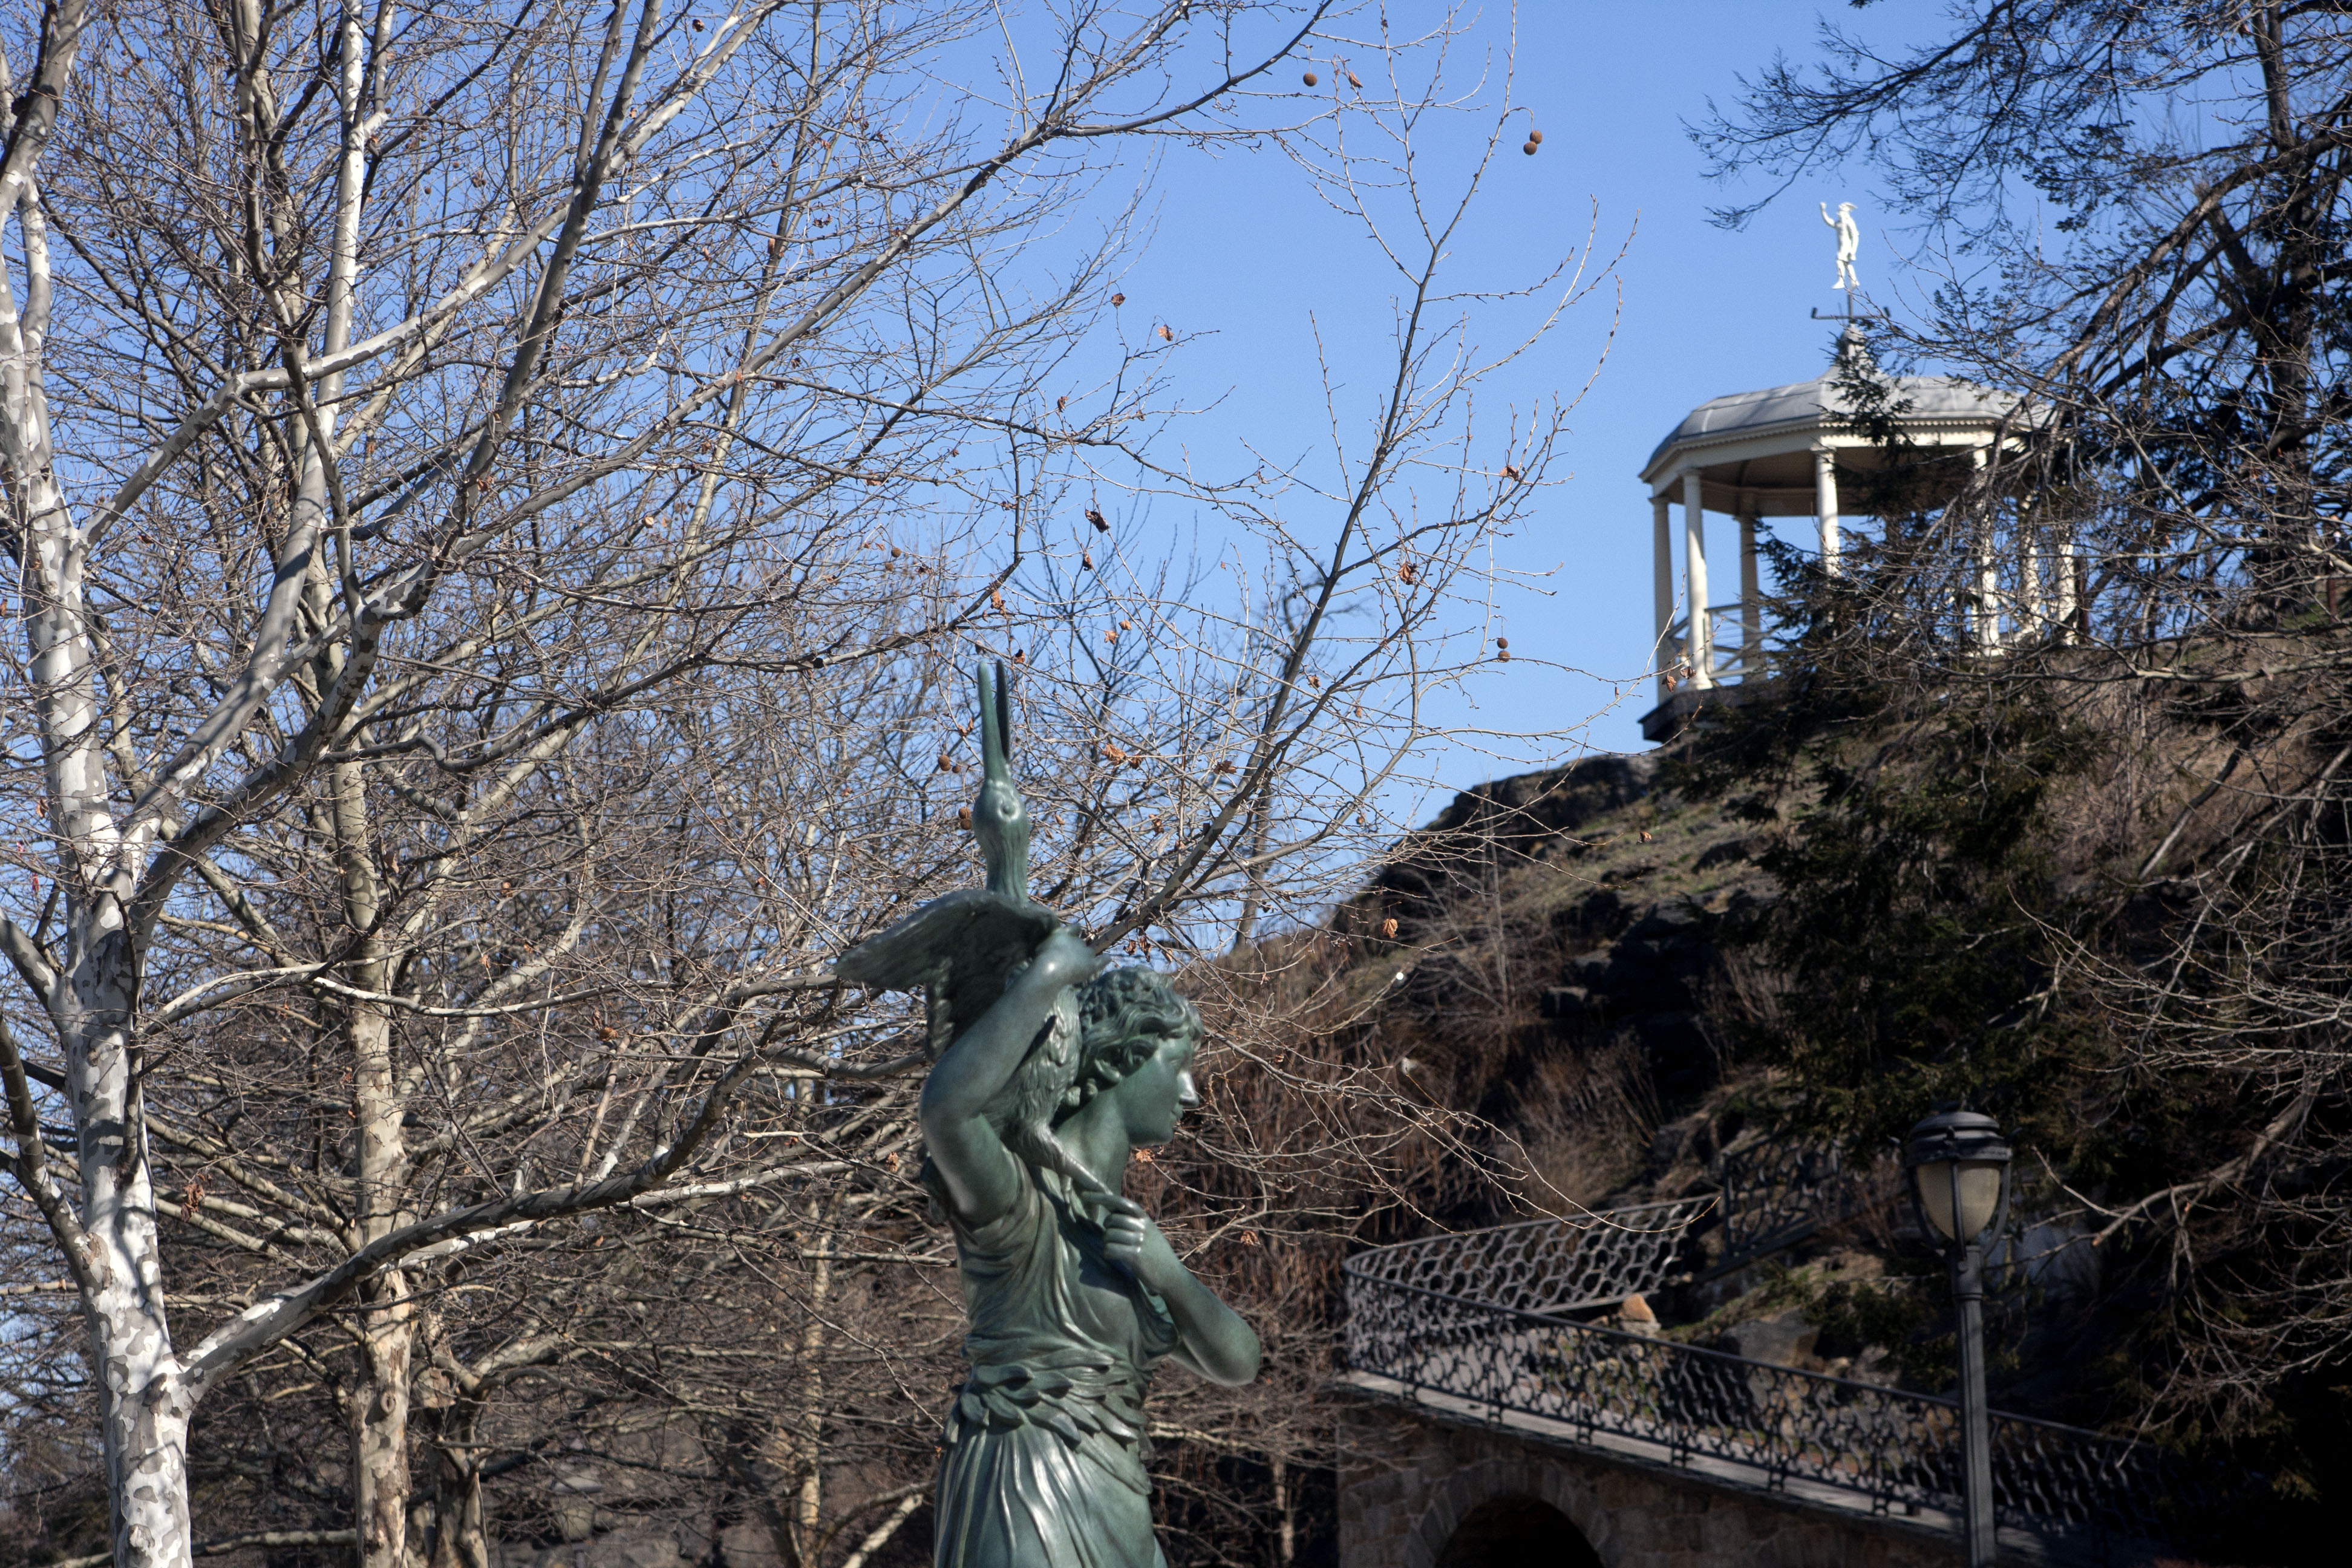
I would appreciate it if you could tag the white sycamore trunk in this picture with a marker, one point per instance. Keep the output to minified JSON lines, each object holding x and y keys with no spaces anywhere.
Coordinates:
{"x":109,"y":835}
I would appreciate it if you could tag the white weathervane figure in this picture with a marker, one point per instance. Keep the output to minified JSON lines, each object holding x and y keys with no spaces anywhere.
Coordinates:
{"x":1849,"y":235}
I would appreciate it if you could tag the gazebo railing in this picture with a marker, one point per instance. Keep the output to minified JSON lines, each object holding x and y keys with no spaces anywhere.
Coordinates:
{"x":1726,"y":630}
{"x":1899,"y":1451}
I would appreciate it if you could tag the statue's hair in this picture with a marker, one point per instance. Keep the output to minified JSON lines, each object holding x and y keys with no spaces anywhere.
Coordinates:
{"x":1123,"y":1014}
{"x":1115,"y":1021}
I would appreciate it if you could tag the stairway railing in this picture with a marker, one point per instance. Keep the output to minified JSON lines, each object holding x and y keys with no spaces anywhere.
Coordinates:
{"x":1545,"y":1264}
{"x":1776,"y":1191}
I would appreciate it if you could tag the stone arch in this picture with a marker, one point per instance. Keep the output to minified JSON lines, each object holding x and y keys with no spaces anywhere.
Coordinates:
{"x":1517,"y":1533}
{"x":1496,"y":1501}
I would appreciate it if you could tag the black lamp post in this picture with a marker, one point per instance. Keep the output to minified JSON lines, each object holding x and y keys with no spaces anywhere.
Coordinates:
{"x":1959,"y":1180}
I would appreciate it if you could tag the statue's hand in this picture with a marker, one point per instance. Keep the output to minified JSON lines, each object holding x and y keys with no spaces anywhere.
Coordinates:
{"x":1065,"y":959}
{"x":1126,"y":1231}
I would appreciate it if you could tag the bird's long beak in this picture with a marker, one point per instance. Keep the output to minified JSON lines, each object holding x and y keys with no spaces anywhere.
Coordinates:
{"x":995,"y":729}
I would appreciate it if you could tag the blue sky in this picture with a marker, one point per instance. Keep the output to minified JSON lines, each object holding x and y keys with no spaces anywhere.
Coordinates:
{"x":1244,"y":255}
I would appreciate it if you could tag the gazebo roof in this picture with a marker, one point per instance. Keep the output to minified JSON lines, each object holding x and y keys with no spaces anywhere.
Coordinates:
{"x":1801,"y":408}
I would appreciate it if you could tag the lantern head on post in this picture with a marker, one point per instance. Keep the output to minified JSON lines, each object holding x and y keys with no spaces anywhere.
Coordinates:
{"x":1958,"y":1166}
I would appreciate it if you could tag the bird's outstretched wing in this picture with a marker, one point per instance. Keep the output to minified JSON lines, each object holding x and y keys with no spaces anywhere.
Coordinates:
{"x":962,"y":947}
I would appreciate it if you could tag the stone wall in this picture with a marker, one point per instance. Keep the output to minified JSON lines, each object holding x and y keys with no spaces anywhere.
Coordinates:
{"x":1405,"y":1484}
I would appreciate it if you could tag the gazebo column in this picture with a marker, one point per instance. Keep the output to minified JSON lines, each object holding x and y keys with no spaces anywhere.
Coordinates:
{"x":1698,"y":636}
{"x":1825,"y":506}
{"x":2062,"y":610}
{"x":1751,"y":601}
{"x":1662,"y":583}
{"x":1988,"y":568}
{"x":2033,"y":601}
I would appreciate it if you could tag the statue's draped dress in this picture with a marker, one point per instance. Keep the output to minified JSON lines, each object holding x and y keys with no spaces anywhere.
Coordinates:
{"x":1043,"y":1465}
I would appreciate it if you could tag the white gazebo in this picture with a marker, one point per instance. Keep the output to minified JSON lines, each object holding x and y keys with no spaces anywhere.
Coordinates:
{"x":1781,"y":453}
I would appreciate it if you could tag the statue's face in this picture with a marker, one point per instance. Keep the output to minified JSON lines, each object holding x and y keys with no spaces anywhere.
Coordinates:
{"x":1154,"y":1096}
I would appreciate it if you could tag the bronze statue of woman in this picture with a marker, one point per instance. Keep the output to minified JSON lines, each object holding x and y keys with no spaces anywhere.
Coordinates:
{"x":1048,"y":1077}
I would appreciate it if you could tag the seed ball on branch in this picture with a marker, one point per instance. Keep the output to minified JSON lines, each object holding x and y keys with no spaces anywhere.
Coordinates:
{"x":1536,"y":137}
{"x":1309,"y":78}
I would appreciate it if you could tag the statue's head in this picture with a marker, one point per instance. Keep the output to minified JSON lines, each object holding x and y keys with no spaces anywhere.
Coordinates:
{"x":1137,"y":1039}
{"x":1844,"y":208}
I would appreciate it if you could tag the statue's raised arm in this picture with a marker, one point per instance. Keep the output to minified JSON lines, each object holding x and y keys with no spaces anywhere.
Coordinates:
{"x":1047,"y":1078}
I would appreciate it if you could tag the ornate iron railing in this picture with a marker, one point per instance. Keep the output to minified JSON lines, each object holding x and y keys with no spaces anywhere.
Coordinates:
{"x":1545,"y":1264}
{"x":1776,"y":1193}
{"x":1897,"y":1450}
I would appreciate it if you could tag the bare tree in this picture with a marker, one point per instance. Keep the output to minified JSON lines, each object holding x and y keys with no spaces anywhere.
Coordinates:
{"x":412,"y":360}
{"x":485,"y":658}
